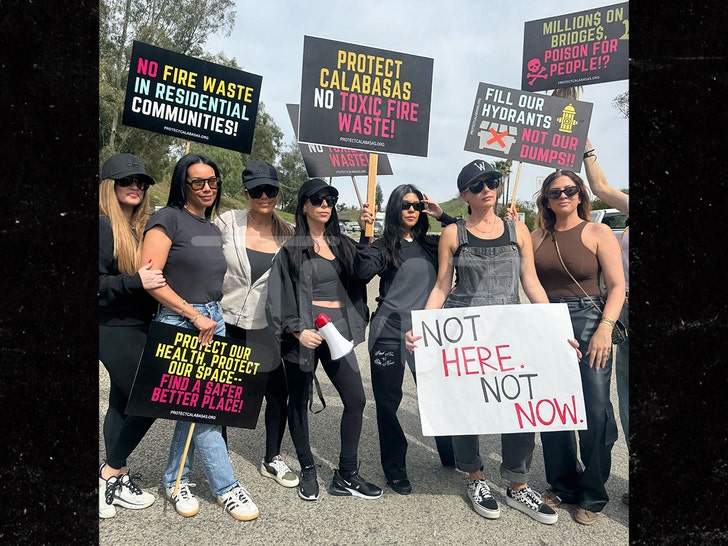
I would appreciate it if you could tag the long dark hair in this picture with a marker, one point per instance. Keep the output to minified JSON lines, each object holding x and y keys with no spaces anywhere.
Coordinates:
{"x":332,"y":235}
{"x":178,"y":187}
{"x":546,"y":217}
{"x":393,"y":230}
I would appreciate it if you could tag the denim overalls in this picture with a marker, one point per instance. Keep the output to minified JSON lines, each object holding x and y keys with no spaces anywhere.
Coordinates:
{"x":489,"y":276}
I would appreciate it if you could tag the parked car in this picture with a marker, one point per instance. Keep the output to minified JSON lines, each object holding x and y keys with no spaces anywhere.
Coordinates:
{"x":615,"y":219}
{"x":353,"y":227}
{"x":343,"y":229}
{"x":378,"y":228}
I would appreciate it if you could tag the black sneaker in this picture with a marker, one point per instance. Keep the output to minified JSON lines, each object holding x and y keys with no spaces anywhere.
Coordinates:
{"x":403,"y":486}
{"x":530,"y":503}
{"x":353,"y":485}
{"x":308,"y":487}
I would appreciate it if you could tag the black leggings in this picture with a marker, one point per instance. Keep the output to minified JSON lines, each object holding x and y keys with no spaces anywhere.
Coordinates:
{"x":276,"y":392}
{"x":345,"y":375}
{"x":120,"y":348}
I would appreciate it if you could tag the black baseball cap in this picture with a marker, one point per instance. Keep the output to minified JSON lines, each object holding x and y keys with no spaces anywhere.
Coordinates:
{"x":476,"y":170}
{"x":259,"y":172}
{"x":123,"y":165}
{"x":312,"y":187}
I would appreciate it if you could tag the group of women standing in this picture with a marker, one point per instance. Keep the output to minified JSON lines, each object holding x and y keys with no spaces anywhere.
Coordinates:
{"x":250,"y":276}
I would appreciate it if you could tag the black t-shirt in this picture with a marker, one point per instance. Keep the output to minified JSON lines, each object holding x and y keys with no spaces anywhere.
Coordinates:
{"x":196,"y":264}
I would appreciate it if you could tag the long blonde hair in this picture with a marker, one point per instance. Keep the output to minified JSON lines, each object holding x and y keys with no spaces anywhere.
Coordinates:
{"x":127,"y":235}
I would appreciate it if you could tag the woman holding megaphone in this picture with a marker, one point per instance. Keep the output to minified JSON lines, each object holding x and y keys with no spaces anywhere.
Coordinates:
{"x":313,"y":274}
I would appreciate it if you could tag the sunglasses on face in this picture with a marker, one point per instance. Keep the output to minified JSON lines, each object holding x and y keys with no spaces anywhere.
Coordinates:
{"x":198,"y":183}
{"x":569,"y":191}
{"x":418,"y":205}
{"x":477,"y":186}
{"x":258,"y":191}
{"x":125,"y":182}
{"x":316,"y":200}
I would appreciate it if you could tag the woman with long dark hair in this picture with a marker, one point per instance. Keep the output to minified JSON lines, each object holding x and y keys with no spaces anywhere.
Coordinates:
{"x":125,"y":312}
{"x":314,"y":273}
{"x":405,"y":258}
{"x":181,"y":239}
{"x":571,"y":253}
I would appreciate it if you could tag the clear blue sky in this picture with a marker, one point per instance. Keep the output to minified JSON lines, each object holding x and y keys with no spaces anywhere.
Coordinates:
{"x":471,"y":41}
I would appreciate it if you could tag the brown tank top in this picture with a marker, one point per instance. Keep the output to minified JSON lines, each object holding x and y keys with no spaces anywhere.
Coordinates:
{"x":582,"y":263}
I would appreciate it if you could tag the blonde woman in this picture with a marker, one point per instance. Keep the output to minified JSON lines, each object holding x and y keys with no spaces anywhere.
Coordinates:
{"x":125,"y":312}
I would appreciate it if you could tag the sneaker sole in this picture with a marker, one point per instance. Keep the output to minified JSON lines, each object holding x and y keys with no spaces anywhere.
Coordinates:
{"x":180,"y":512}
{"x":346,"y":492}
{"x":548,"y":519}
{"x":106,"y":514}
{"x":304,"y":497}
{"x":132,"y":506}
{"x":485,"y":512}
{"x":279,"y":481}
{"x":241,"y":517}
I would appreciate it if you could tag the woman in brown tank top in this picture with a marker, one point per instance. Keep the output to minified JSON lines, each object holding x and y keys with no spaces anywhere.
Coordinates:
{"x":587,"y":249}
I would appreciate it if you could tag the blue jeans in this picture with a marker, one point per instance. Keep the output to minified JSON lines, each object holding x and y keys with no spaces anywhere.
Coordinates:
{"x":207,"y":439}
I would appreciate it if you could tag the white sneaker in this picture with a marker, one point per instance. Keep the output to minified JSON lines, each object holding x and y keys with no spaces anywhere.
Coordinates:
{"x":106,"y":510}
{"x":130,"y":495}
{"x":184,"y":501}
{"x":238,"y":504}
{"x":279,"y":471}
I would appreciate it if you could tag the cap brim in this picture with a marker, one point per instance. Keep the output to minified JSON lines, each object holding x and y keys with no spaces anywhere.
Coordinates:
{"x":487,"y":175}
{"x":255,"y":182}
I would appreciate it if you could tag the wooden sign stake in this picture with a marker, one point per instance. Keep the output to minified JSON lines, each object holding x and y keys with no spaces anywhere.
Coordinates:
{"x":371,"y":190}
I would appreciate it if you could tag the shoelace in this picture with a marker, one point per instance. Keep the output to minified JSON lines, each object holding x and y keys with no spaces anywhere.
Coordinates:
{"x":280,"y":467}
{"x":129,"y":483}
{"x":239,"y":497}
{"x":112,"y":484}
{"x":308,"y":472}
{"x":482,"y":491}
{"x":184,"y":493}
{"x":529,"y":496}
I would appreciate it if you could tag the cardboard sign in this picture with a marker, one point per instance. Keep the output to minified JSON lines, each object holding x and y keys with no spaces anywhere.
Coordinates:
{"x":582,"y":48}
{"x":364,"y":98}
{"x":192,"y":99}
{"x":497,"y":369}
{"x":529,"y":127}
{"x":322,"y":161}
{"x":220,"y":384}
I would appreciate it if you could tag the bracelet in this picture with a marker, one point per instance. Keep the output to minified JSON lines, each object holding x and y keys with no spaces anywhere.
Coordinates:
{"x":198,"y":315}
{"x":607,"y":321}
{"x":590,"y":153}
{"x":182,"y":309}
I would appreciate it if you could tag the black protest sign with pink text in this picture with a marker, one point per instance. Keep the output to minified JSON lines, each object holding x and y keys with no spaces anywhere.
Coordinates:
{"x":577,"y":49}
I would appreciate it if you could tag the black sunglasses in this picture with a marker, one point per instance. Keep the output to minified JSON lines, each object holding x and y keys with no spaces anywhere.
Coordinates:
{"x":198,"y":183}
{"x":127,"y":181}
{"x":568,"y":191}
{"x":477,"y":186}
{"x":317,"y":199}
{"x":258,"y":191}
{"x":418,"y":205}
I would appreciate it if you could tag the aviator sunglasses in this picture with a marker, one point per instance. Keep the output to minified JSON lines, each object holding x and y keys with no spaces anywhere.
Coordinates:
{"x":477,"y":186}
{"x":127,"y":181}
{"x":198,"y":183}
{"x":569,"y":191}
{"x":316,"y":200}
{"x":418,"y":205}
{"x":257,"y":192}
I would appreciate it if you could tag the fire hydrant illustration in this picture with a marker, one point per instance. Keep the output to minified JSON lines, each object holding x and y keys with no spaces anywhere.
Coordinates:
{"x":567,"y":119}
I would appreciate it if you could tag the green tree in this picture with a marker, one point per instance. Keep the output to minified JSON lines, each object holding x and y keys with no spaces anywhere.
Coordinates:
{"x":504,"y":167}
{"x":291,"y":175}
{"x":378,"y":196}
{"x":621,"y":104}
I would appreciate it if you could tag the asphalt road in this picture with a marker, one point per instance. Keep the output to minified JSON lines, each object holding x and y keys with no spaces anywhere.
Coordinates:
{"x":437,"y":512}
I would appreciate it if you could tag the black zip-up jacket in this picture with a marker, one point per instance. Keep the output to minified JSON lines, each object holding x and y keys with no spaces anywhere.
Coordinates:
{"x":289,"y":308}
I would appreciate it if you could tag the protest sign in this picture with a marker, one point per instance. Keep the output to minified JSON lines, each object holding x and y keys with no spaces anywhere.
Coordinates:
{"x":497,"y":369}
{"x":190,"y":98}
{"x":529,"y":127}
{"x":365,"y":98}
{"x":582,"y":48}
{"x":322,"y":161}
{"x":221,"y":384}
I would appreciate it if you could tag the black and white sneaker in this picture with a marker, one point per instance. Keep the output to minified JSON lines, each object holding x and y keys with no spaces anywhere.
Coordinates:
{"x":308,"y":487}
{"x":483,"y":502}
{"x":129,"y":495}
{"x":353,"y":485}
{"x":530,"y":503}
